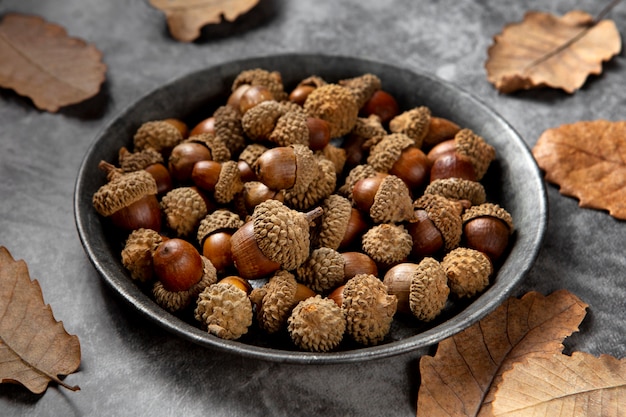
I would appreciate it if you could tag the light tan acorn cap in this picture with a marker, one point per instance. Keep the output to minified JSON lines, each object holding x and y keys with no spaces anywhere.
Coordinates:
{"x":218,"y":148}
{"x":334,"y":104}
{"x":334,"y":221}
{"x":479,"y":152}
{"x":428,"y":290}
{"x":220,"y":219}
{"x":282,"y":234}
{"x":334,"y":154}
{"x":123,"y":190}
{"x":229,"y":129}
{"x":229,"y":183}
{"x":134,"y":161}
{"x":356,"y":174}
{"x":177,"y":300}
{"x":184,"y":208}
{"x":306,"y":168}
{"x":368,"y":309}
{"x":313,"y":81}
{"x":158,"y":135}
{"x":489,"y":210}
{"x":458,"y":189}
{"x":224,"y":310}
{"x":414,"y":123}
{"x":252,"y":152}
{"x":138,"y":251}
{"x":387,"y":243}
{"x":445,"y":214}
{"x":468,"y":271}
{"x":392,"y":201}
{"x":275,"y":300}
{"x":386,"y":152}
{"x":363,"y":87}
{"x":259,"y":122}
{"x":291,"y":128}
{"x":258,"y":76}
{"x":316,"y":324}
{"x":323,"y":270}
{"x":321,"y":187}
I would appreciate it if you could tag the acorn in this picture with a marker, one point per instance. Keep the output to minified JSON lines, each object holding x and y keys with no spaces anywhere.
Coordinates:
{"x":387,"y":244}
{"x":468,"y":271}
{"x":458,"y":189}
{"x":246,"y":161}
{"x":160,"y":135}
{"x":470,"y":147}
{"x":333,"y":222}
{"x":336,"y":155}
{"x":286,"y":168}
{"x":271,"y":80}
{"x":184,"y":208}
{"x":334,"y":104}
{"x":149,"y":160}
{"x":383,"y":105}
{"x":453,"y":165}
{"x":221,"y":180}
{"x":439,"y":130}
{"x":180,"y":125}
{"x":385,"y":197}
{"x":487,"y":228}
{"x":322,"y":186}
{"x":355,"y":263}
{"x":305,"y":87}
{"x":413,"y":123}
{"x":129,"y":199}
{"x":204,"y":126}
{"x":355,"y":174}
{"x":316,"y":324}
{"x":255,"y":192}
{"x":427,"y":238}
{"x":224,"y":310}
{"x":227,"y":127}
{"x":363,"y":87}
{"x":214,"y":237}
{"x":446,"y":217}
{"x":202,"y":147}
{"x":323,"y":270}
{"x":138,"y":251}
{"x":319,"y":133}
{"x":277,"y":124}
{"x":357,"y":225}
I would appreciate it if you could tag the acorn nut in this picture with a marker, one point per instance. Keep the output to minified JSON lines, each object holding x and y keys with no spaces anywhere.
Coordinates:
{"x":225,"y":310}
{"x":316,"y":324}
{"x":487,"y":228}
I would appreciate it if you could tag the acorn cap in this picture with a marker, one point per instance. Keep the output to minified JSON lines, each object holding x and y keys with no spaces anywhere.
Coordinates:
{"x":468,"y":271}
{"x":220,"y":219}
{"x":334,"y":154}
{"x":414,"y":123}
{"x":313,"y":81}
{"x":184,"y":208}
{"x":291,"y":128}
{"x":323,"y":270}
{"x":258,"y":76}
{"x":489,"y":210}
{"x":122,"y":191}
{"x":252,"y":152}
{"x":135,"y":161}
{"x":219,"y":151}
{"x":386,"y":152}
{"x":228,"y":128}
{"x":275,"y":300}
{"x":334,"y":104}
{"x":363,"y":87}
{"x":428,"y":290}
{"x":481,"y":154}
{"x":445,"y":214}
{"x":259,"y":122}
{"x":282,"y":234}
{"x":368,"y":309}
{"x":392,"y":201}
{"x":387,"y":243}
{"x":228,"y":184}
{"x":306,"y":168}
{"x":334,"y":221}
{"x":356,"y":174}
{"x":138,"y":251}
{"x":316,"y":324}
{"x":224,"y":310}
{"x":321,"y":187}
{"x":458,"y":189}
{"x":369,"y":128}
{"x":177,"y":300}
{"x":158,"y":135}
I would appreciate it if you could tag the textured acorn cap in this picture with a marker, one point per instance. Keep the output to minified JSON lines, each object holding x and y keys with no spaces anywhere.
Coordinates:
{"x":177,"y":300}
{"x":386,"y":152}
{"x":387,"y":244}
{"x":334,"y":104}
{"x":489,"y":210}
{"x":321,"y":187}
{"x":334,"y":221}
{"x":306,"y":168}
{"x":135,"y":161}
{"x":218,"y":148}
{"x":158,"y":135}
{"x":334,"y":154}
{"x":259,"y":122}
{"x":369,"y":128}
{"x":458,"y":189}
{"x":229,"y":129}
{"x":229,"y":183}
{"x":363,"y":87}
{"x":323,"y":270}
{"x":184,"y":208}
{"x":356,"y":174}
{"x":291,"y":128}
{"x":313,"y":81}
{"x":275,"y":300}
{"x":220,"y":219}
{"x":445,"y":214}
{"x":138,"y":251}
{"x":468,"y":271}
{"x":122,"y":191}
{"x":428,"y":290}
{"x":282,"y":234}
{"x":316,"y":324}
{"x":392,"y":201}
{"x":224,"y":310}
{"x":368,"y":309}
{"x":481,"y":154}
{"x":414,"y":123}
{"x":258,"y":76}
{"x":252,"y":152}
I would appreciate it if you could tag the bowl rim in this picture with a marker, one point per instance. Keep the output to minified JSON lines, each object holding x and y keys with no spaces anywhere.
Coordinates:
{"x":128,"y":290}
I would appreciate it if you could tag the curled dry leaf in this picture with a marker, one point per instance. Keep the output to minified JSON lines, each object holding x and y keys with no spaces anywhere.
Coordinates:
{"x":567,"y":386}
{"x":460,"y":380}
{"x":186,"y":18}
{"x":40,"y":61}
{"x":588,"y":161}
{"x":546,"y":50}
{"x":34,"y":348}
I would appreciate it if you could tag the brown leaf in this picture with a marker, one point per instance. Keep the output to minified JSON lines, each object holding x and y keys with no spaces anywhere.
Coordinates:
{"x":588,"y":161}
{"x":461,"y":378}
{"x":567,"y":386}
{"x":185,"y":18}
{"x":546,"y":50}
{"x":40,"y":61}
{"x":34,"y":347}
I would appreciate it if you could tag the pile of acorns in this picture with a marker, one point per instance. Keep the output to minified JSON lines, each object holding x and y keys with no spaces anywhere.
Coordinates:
{"x":322,"y":212}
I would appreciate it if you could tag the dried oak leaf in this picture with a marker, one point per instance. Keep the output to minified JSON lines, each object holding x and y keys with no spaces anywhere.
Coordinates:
{"x":460,"y":380}
{"x":567,"y":386}
{"x":40,"y":61}
{"x":34,"y":348}
{"x":186,"y":18}
{"x":587,"y":160}
{"x":546,"y":50}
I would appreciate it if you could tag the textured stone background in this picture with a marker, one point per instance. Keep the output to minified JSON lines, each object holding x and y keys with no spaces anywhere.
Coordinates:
{"x":129,"y":366}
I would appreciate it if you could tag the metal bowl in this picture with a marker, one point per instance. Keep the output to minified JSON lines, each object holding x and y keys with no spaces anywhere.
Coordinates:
{"x":513,"y":181}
